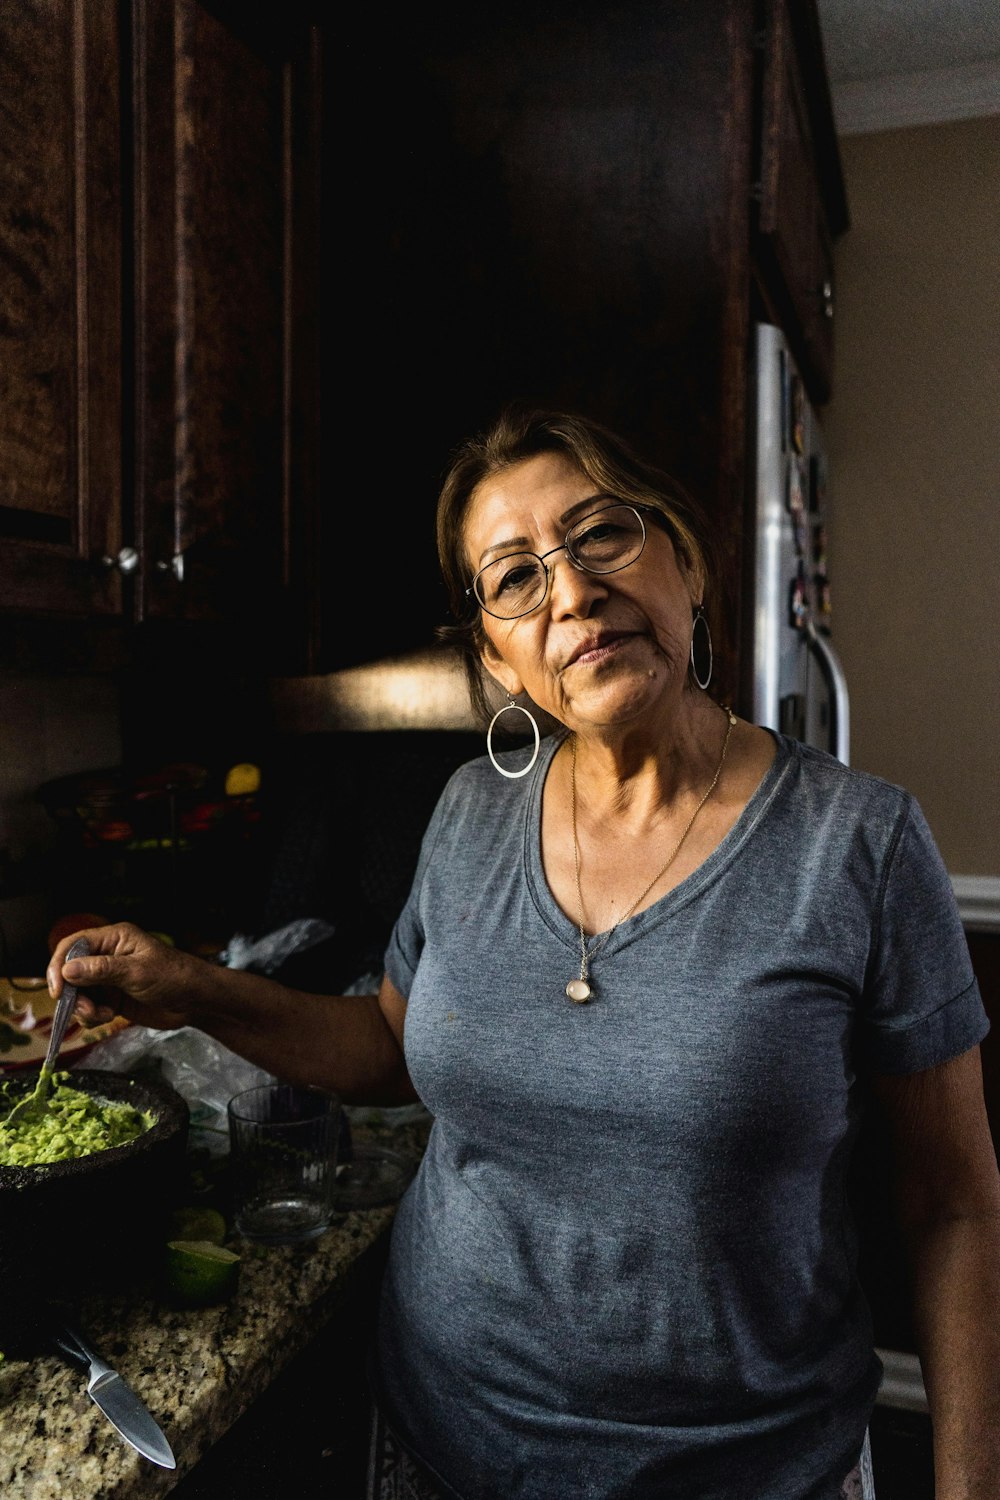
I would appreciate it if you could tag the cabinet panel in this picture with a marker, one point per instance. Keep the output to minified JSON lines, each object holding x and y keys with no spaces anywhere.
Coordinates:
{"x":562,"y":216}
{"x":60,"y":410}
{"x":223,"y":182}
{"x":794,"y":221}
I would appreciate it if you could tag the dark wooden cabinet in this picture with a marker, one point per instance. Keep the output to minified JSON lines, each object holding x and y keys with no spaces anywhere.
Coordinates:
{"x":802,"y":207}
{"x":206,"y":274}
{"x":225,"y":129}
{"x":564,"y":209}
{"x":60,"y":323}
{"x":158,"y":301}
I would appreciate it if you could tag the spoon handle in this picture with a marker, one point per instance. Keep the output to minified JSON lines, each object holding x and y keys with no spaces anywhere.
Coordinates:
{"x":64,"y":1009}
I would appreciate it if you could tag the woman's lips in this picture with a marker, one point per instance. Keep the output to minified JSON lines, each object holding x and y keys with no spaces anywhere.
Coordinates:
{"x":600,"y":651}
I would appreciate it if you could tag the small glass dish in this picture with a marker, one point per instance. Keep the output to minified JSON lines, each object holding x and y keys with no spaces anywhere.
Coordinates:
{"x":371,"y":1177}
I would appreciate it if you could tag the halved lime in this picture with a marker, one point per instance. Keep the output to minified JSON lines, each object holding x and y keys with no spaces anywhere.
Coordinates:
{"x":197,"y":1222}
{"x":200,"y":1272}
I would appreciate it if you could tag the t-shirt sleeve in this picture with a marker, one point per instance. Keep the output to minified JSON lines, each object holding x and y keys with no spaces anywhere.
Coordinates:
{"x":406,"y":941}
{"x":921,"y":1004}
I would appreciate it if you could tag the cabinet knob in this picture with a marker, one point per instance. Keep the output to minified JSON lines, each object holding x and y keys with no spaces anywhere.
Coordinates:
{"x":826,"y":292}
{"x":126,"y":561}
{"x":174,"y":565}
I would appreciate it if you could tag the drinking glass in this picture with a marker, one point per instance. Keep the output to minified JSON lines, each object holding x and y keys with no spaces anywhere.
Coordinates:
{"x":283,"y":1161}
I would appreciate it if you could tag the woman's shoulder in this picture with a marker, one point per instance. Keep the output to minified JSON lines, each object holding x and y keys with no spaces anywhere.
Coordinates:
{"x":479,"y":776}
{"x":479,"y":810}
{"x":822,"y":765}
{"x":820,"y":780}
{"x":840,"y":817}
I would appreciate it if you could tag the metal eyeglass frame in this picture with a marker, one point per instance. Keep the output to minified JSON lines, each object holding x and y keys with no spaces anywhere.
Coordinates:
{"x":637,"y":508}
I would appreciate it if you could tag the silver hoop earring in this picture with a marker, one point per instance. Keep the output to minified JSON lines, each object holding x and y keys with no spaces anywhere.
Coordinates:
{"x":704,"y":676}
{"x":512,"y":775}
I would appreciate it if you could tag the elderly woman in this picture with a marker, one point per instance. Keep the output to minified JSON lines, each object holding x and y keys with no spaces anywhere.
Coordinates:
{"x":648,"y":972}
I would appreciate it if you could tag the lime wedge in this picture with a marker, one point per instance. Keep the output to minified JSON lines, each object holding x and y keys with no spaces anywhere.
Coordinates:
{"x":200,"y":1272}
{"x":197,"y":1223}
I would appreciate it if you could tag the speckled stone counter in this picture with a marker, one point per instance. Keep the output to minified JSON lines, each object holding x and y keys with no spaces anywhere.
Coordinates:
{"x":197,"y":1371}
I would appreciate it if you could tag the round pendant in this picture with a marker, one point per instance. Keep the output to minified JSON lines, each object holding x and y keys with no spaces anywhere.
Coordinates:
{"x":578,"y":991}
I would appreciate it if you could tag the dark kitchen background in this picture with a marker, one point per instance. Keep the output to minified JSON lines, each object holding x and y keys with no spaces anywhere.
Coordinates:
{"x":262,"y":269}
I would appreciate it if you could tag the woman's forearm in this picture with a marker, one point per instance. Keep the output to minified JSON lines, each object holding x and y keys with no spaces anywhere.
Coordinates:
{"x":338,"y":1042}
{"x":948,"y":1201}
{"x":956,"y":1277}
{"x":345,"y":1042}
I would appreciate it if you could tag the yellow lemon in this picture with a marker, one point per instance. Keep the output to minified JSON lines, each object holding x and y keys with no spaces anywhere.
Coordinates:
{"x":242,"y":780}
{"x":200,"y":1272}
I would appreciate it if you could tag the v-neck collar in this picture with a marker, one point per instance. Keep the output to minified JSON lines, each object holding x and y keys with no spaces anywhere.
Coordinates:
{"x":687,"y":890}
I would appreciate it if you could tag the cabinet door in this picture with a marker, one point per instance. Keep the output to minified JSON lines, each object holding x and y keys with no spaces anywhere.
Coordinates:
{"x":794,"y":227}
{"x":225,"y":227}
{"x":563,"y":218}
{"x":60,"y":475}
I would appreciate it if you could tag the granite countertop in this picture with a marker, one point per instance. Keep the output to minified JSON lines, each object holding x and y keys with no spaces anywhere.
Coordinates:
{"x":197,"y":1371}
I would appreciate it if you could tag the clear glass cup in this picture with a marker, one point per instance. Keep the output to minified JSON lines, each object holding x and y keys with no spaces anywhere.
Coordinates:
{"x":283,"y":1162}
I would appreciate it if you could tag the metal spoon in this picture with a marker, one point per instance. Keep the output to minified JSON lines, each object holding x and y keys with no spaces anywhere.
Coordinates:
{"x":37,"y":1101}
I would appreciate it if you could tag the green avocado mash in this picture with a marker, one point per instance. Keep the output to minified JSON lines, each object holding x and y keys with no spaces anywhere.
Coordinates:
{"x":74,"y":1124}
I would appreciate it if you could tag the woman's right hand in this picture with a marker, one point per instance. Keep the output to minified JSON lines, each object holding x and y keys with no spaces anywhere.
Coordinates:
{"x":131,"y":972}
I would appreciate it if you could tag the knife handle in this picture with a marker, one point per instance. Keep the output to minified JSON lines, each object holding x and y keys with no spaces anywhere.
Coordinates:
{"x":73,"y":1347}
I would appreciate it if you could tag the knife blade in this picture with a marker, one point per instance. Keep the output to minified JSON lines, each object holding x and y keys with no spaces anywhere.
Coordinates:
{"x":117,"y":1400}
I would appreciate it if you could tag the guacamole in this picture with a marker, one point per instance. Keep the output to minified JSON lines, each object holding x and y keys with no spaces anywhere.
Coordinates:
{"x":74,"y":1124}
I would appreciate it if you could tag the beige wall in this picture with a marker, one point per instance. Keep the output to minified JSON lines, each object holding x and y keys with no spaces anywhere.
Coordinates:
{"x":913,"y":433}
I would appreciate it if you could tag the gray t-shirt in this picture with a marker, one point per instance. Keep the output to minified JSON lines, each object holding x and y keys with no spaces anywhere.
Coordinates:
{"x":625,"y":1270}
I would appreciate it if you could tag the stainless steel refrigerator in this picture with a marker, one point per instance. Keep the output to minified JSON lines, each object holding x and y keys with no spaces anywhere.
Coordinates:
{"x":798,"y":684}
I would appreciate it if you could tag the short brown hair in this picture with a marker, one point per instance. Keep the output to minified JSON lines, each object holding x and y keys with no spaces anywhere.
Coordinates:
{"x":605,"y":458}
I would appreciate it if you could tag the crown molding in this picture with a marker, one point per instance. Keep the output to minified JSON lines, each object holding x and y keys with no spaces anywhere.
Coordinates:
{"x":865,"y":105}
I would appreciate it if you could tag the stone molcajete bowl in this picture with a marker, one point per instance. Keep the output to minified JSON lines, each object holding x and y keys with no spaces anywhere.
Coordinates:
{"x":93,"y":1223}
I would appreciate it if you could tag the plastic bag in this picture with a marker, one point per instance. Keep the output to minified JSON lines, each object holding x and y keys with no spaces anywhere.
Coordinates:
{"x":204,"y":1072}
{"x":264,"y":955}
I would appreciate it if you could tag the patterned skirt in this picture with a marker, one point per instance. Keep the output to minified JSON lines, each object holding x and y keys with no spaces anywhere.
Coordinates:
{"x":393,"y":1474}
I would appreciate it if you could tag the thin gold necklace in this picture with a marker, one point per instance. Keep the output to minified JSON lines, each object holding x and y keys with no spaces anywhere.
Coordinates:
{"x":580,"y":990}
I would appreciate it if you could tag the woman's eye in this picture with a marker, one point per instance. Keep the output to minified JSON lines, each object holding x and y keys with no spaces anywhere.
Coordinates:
{"x":601,"y":537}
{"x":516,"y":578}
{"x":600,"y":531}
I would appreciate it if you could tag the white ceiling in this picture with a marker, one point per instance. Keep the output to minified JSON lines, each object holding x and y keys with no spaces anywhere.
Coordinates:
{"x":911,"y":62}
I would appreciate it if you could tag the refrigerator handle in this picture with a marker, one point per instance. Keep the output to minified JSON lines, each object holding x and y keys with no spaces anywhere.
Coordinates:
{"x":833,"y":672}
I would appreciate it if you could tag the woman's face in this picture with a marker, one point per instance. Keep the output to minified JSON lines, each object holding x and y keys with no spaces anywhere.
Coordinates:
{"x":600,"y":650}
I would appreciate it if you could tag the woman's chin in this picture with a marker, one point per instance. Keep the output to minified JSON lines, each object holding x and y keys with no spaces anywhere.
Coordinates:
{"x":617,"y":705}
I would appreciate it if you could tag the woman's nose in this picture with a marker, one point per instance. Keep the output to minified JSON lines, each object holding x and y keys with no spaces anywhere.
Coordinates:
{"x":572,"y":591}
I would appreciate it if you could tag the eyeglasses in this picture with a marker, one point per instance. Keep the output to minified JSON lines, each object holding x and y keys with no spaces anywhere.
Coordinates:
{"x":605,"y":541}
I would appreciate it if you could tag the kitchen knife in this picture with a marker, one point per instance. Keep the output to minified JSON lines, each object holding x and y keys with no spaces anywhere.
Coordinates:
{"x":117,"y":1401}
